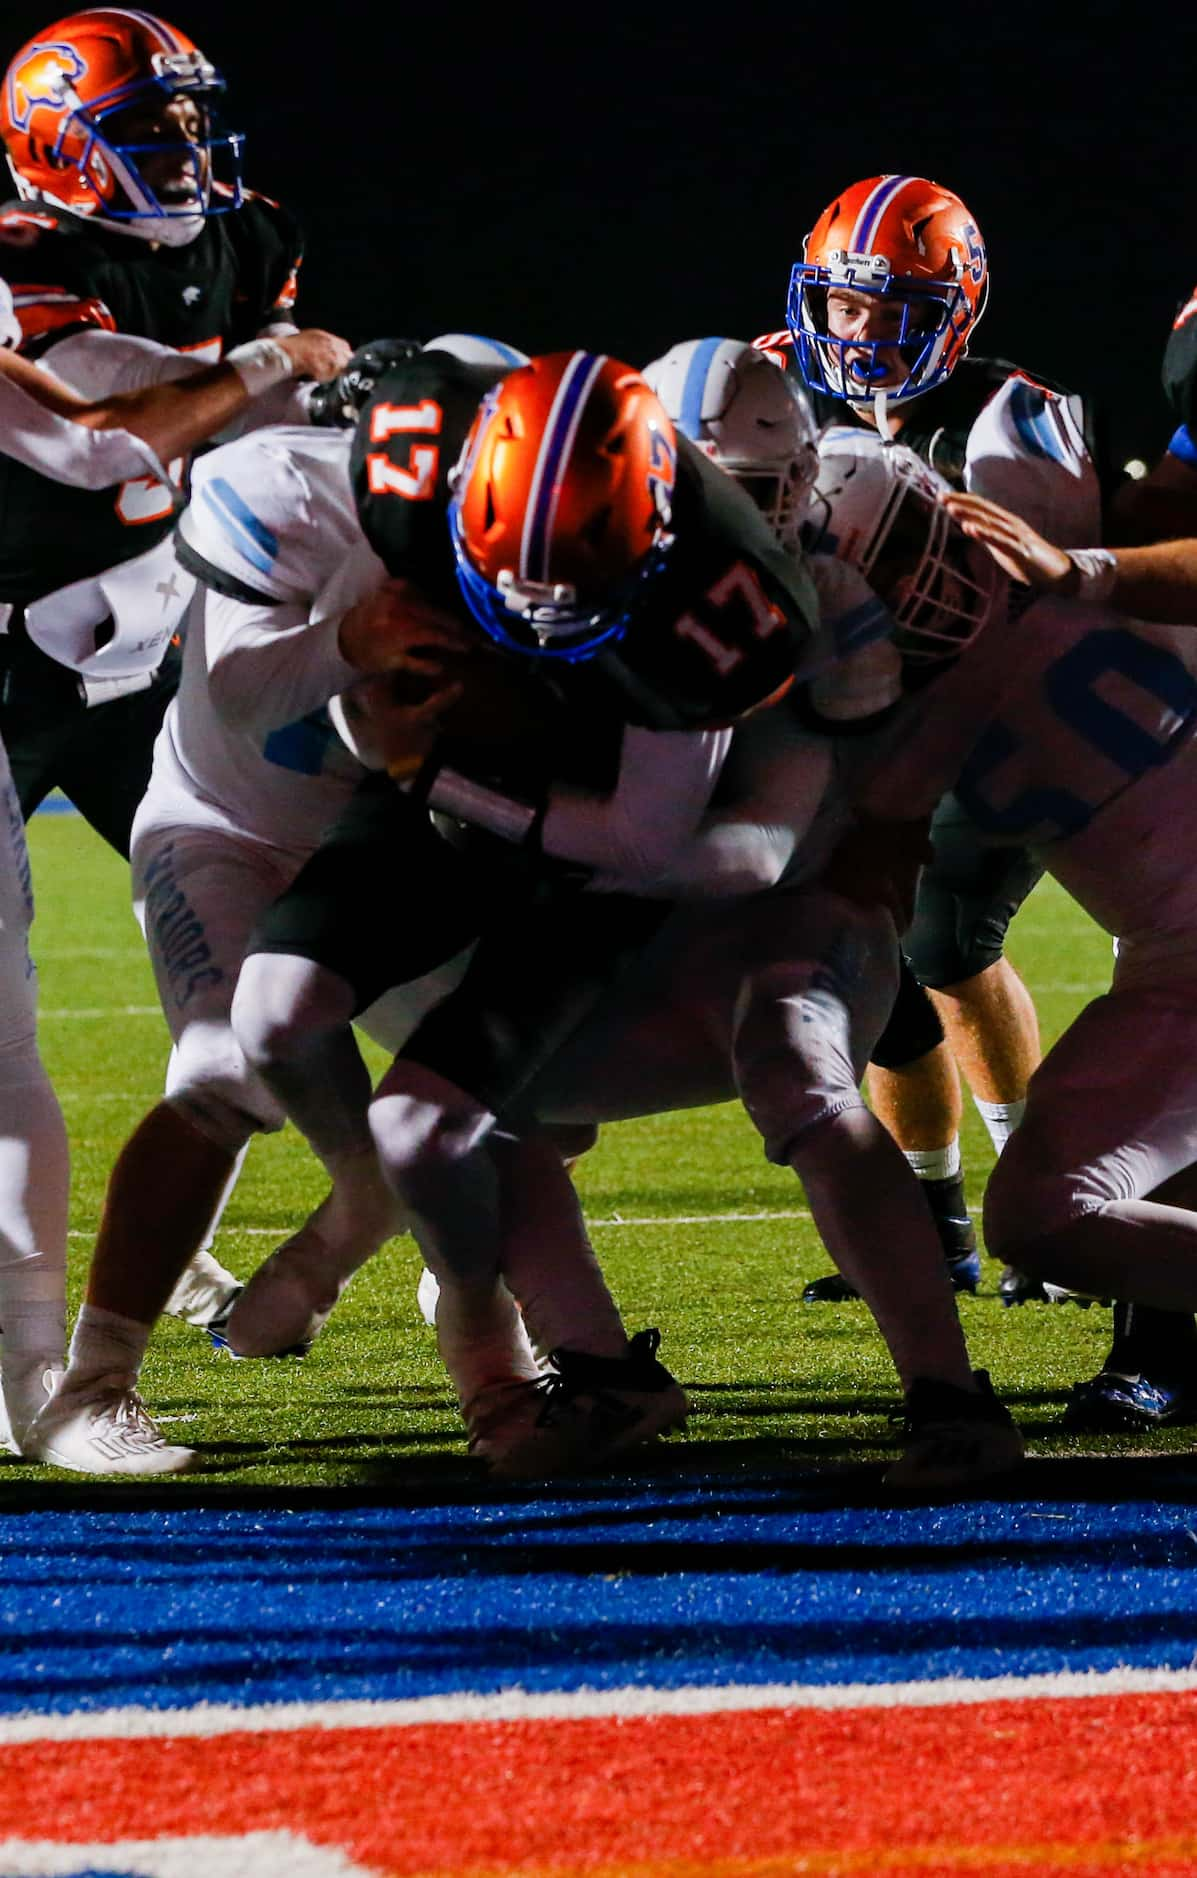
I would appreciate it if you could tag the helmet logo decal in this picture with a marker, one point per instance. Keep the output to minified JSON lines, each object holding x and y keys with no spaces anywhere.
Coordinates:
{"x":43,"y":78}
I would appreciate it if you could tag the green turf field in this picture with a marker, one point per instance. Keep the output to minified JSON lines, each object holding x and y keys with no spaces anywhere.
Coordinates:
{"x":697,"y":1232}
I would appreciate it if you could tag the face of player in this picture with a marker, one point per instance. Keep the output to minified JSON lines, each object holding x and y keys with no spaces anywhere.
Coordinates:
{"x":870,"y":318}
{"x":178,"y":173}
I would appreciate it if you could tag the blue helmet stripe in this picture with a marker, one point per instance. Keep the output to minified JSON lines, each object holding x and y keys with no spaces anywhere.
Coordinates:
{"x":690,"y":416}
{"x":579,"y":375}
{"x":873,"y":210}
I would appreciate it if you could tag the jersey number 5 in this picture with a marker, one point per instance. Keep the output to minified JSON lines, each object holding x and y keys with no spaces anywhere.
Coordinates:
{"x":418,"y":481}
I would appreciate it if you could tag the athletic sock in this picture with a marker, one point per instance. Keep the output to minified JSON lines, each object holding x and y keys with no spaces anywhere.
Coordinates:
{"x":1161,"y":1345}
{"x":935,"y":1163}
{"x":105,"y":1344}
{"x":1000,"y":1119}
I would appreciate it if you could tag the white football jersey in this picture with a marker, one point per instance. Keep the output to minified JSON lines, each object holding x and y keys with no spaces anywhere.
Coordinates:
{"x":248,"y":745}
{"x":1072,"y":730}
{"x":1027,"y":450}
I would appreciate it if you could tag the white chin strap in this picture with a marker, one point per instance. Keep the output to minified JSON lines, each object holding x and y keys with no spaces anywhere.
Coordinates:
{"x":879,"y":416}
{"x":173,"y":231}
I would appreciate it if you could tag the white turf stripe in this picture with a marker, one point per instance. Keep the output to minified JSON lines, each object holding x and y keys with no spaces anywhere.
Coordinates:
{"x":516,"y":1705}
{"x":615,"y":1224}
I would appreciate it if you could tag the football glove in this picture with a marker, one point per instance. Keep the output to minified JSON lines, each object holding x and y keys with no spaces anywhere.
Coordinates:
{"x":339,"y":401}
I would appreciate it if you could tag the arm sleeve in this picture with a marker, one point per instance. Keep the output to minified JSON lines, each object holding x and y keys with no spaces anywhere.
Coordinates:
{"x":662,"y":791}
{"x":748,"y":846}
{"x":68,"y":452}
{"x":269,"y":665}
{"x":97,"y":364}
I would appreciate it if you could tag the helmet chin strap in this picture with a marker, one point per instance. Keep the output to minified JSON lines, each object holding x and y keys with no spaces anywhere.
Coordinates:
{"x":173,"y":231}
{"x":879,"y":416}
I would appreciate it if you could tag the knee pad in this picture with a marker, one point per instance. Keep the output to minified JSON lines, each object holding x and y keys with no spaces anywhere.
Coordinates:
{"x":283,"y":1003}
{"x":966,"y":899}
{"x":913,"y":1028}
{"x":419,"y":1121}
{"x":792,"y":1055}
{"x":213,"y":1087}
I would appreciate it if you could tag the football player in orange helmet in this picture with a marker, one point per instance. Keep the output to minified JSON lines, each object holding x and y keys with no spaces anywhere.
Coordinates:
{"x":892,"y":281}
{"x":880,"y":315}
{"x":561,"y":508}
{"x":109,"y":113}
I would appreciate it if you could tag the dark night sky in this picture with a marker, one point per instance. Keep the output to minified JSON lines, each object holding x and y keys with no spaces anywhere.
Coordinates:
{"x":628,"y":176}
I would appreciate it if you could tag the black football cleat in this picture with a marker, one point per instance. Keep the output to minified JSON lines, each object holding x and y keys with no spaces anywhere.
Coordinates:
{"x":953,"y":1437}
{"x":1110,"y":1403}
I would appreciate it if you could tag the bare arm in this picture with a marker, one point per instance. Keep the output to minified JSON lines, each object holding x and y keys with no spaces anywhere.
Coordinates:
{"x":1156,"y":582}
{"x":163,"y":398}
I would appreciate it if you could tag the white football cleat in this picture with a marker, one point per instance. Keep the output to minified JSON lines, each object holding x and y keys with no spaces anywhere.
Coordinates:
{"x":204,"y":1294}
{"x":26,"y":1386}
{"x":103,"y":1427}
{"x":287,"y":1302}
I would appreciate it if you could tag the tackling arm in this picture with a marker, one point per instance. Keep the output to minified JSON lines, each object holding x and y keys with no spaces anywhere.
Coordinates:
{"x":165,"y":399}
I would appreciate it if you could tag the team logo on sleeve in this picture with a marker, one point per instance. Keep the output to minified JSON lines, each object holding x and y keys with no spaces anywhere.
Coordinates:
{"x":42,"y":78}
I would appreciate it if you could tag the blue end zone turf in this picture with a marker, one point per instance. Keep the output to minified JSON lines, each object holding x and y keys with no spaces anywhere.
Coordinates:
{"x":708,"y":1581}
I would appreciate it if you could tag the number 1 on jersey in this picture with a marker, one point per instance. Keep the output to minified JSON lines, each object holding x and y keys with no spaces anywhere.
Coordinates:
{"x":418,"y":481}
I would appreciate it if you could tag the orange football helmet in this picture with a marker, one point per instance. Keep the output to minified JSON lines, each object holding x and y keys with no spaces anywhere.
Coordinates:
{"x":904,"y":239}
{"x":63,"y":96}
{"x":560,"y":509}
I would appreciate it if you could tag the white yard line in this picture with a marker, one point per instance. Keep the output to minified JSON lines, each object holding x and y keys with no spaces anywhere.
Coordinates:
{"x":519,"y":1705}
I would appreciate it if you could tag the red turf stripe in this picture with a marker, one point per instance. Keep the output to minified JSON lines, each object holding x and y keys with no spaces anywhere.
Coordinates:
{"x":1093,"y":1785}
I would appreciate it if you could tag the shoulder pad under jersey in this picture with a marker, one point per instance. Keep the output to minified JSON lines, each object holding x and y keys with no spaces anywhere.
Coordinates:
{"x":1028,"y":451}
{"x":270,"y":515}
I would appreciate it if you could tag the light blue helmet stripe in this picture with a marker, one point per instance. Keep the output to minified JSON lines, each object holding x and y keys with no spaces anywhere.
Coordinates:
{"x":690,"y":415}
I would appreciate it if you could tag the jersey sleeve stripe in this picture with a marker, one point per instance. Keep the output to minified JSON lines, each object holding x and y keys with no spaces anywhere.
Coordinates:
{"x":46,"y":313}
{"x":216,"y":577}
{"x":252,"y":539}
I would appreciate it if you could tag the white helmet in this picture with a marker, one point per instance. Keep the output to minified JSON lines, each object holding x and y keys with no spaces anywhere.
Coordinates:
{"x":749,"y":417}
{"x":10,"y":325}
{"x":875,"y":504}
{"x":474,"y":349}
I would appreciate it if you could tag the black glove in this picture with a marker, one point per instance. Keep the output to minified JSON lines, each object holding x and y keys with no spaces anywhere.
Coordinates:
{"x":338,"y":401}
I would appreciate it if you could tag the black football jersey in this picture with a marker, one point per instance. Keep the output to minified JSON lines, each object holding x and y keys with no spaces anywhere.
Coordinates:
{"x":718,"y":632}
{"x":68,"y":275}
{"x":1180,"y":365}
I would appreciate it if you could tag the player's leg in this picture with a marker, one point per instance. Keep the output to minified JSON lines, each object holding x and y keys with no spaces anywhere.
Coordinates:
{"x":1077,"y":1197}
{"x":197,"y":893}
{"x":967,"y":898}
{"x":806,"y":1024}
{"x":34,"y":1168}
{"x":527,"y":989}
{"x":914,"y":1090}
{"x":382,"y":901}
